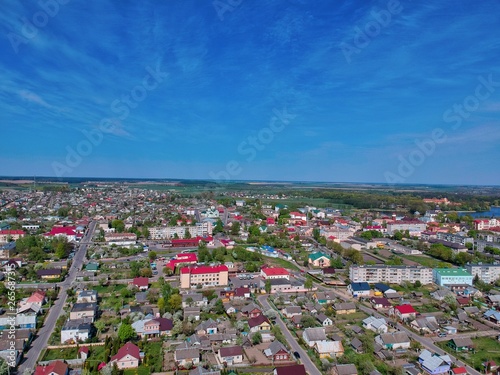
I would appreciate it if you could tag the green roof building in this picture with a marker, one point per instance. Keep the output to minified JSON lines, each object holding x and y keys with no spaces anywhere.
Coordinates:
{"x":319,"y":259}
{"x":452,"y":276}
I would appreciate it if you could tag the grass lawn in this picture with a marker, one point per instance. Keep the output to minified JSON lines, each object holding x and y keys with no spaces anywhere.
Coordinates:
{"x":360,"y":315}
{"x":69,"y":353}
{"x":486,"y":349}
{"x":427,"y":261}
{"x":425,"y":309}
{"x":282,"y":263}
{"x":109,"y":288}
{"x":141,"y":370}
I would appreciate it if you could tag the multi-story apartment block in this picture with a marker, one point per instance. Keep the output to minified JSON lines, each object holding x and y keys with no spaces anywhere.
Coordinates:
{"x":390,"y":274}
{"x":487,"y":273}
{"x":485,"y":224}
{"x":202,"y":229}
{"x":120,"y":239}
{"x":415,"y":227}
{"x":205,"y":276}
{"x":452,"y":276}
{"x":454,"y":238}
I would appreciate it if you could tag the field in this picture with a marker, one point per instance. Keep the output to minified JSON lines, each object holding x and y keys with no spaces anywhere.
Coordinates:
{"x":487,"y":349}
{"x":69,"y":353}
{"x":427,"y":261}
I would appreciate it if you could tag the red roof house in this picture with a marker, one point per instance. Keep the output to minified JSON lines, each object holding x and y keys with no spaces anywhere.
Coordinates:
{"x":404,"y":312}
{"x":274,"y":273}
{"x":53,"y":368}
{"x":141,"y":282}
{"x":128,"y":356}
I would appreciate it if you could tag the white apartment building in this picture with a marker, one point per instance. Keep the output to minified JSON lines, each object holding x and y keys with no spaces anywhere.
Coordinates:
{"x":414,"y":227}
{"x":487,"y":273}
{"x":390,"y":274}
{"x":202,"y":229}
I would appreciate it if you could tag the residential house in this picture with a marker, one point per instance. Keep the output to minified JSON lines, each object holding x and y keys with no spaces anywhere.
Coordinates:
{"x":380,"y":303}
{"x":242,"y":293}
{"x":290,"y":370}
{"x":403,"y":312}
{"x":231,"y":355}
{"x":458,"y":371}
{"x":462,"y":344}
{"x":329,"y":349}
{"x":83,"y":310}
{"x":378,"y":325}
{"x":291,"y":311}
{"x":357,"y":345}
{"x":49,"y":273}
{"x":86,"y":296}
{"x":259,"y":323}
{"x":193,"y":312}
{"x":322,"y":297}
{"x":36,"y":298}
{"x":427,"y":324}
{"x":157,"y":327}
{"x":194,"y":299}
{"x":319,"y":259}
{"x":141,"y":282}
{"x":344,"y":308}
{"x":251,"y":310}
{"x":74,"y":331}
{"x":186,"y":357}
{"x":128,"y":356}
{"x":433,"y":363}
{"x":208,"y":327}
{"x":361,"y":289}
{"x":229,"y":308}
{"x":324,"y":320}
{"x":492,"y":316}
{"x":53,"y":368}
{"x":393,"y":341}
{"x":313,"y":335}
{"x":347,"y":369}
{"x":277,"y":352}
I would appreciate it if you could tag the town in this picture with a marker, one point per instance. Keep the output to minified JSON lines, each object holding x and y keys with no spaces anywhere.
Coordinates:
{"x":105,"y":277}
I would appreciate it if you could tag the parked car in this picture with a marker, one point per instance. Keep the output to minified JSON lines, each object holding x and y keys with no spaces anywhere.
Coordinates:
{"x":296,"y":354}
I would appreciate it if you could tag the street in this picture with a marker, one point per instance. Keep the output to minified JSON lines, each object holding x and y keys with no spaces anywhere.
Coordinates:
{"x":41,"y":340}
{"x":304,"y":357}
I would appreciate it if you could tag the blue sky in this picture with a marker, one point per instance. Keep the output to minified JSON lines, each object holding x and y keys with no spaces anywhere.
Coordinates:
{"x":267,"y":90}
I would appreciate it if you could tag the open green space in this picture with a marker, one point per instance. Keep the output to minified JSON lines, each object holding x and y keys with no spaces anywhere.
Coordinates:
{"x":427,"y":261}
{"x":65,"y":353}
{"x":103,"y":289}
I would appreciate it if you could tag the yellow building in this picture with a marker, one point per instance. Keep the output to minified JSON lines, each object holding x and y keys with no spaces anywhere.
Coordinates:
{"x":204,"y":276}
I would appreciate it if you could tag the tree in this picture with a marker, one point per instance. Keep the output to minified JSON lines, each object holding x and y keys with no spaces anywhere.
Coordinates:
{"x":235,"y":228}
{"x":152,"y":255}
{"x":4,"y":368}
{"x":161,"y":304}
{"x":267,"y":286}
{"x":126,"y":332}
{"x":417,"y":284}
{"x":99,"y":325}
{"x":175,"y":302}
{"x":256,"y":338}
{"x":219,"y":227}
{"x":308,"y":284}
{"x":119,"y":225}
{"x":187,"y":234}
{"x":146,"y":272}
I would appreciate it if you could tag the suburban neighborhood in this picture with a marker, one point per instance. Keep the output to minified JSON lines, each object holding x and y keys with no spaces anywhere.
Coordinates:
{"x":116,"y":279}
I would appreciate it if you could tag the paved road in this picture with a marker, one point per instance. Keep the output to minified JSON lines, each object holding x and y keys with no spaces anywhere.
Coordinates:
{"x":306,"y":361}
{"x":40,"y":341}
